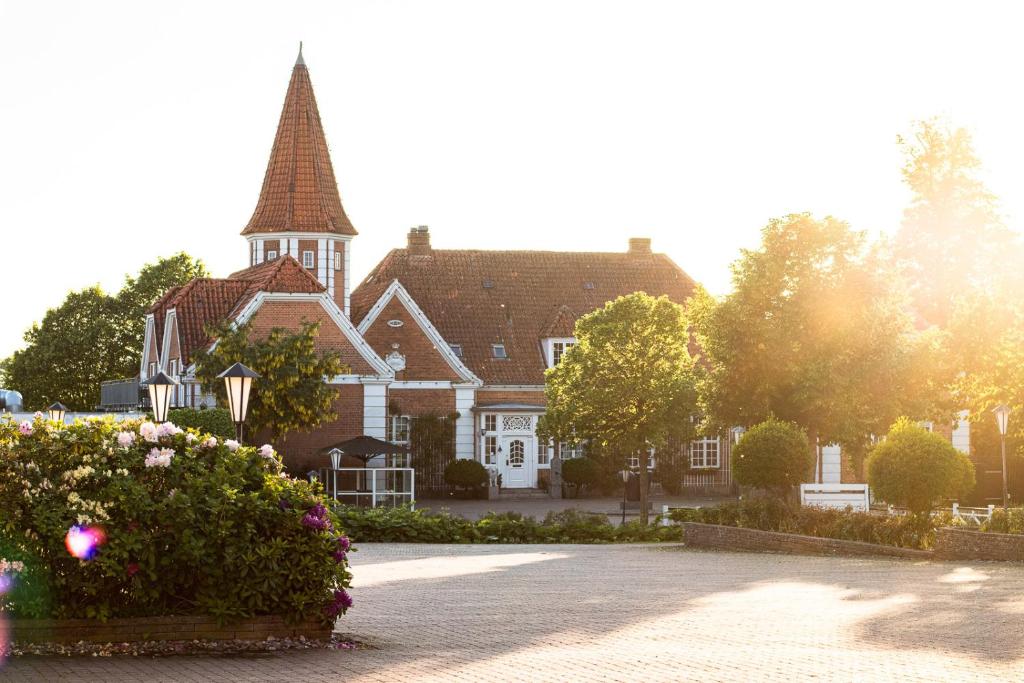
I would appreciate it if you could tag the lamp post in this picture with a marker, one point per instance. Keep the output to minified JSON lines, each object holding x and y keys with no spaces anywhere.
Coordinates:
{"x":160,"y":387}
{"x":625,"y":479}
{"x":56,"y":412}
{"x":1002,"y":413}
{"x":238,"y":383}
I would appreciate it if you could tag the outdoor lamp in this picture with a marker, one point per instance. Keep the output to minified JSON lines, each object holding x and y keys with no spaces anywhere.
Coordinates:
{"x":1002,"y":419}
{"x":625,"y":480}
{"x":160,"y":388}
{"x":56,"y":412}
{"x":335,"y":458}
{"x":238,"y":383}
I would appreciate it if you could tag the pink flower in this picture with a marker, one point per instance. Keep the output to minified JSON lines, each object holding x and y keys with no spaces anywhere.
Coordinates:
{"x":25,"y":428}
{"x":148,"y":431}
{"x":168,"y":429}
{"x":267,"y":451}
{"x":38,"y":415}
{"x":125,"y":439}
{"x":159,"y":457}
{"x":210,"y":443}
{"x":191,"y":438}
{"x":232,"y":445}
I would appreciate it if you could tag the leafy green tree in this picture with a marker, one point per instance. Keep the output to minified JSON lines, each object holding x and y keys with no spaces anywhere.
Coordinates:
{"x":628,"y":385}
{"x":773,"y":455}
{"x":91,"y":337}
{"x":815,"y":333}
{"x":915,"y":468}
{"x":952,"y":239}
{"x":291,"y":394}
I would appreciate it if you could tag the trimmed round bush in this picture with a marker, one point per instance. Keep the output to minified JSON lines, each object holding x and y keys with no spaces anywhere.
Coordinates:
{"x":580,"y":472}
{"x":465,"y":474}
{"x":773,"y":455}
{"x":915,"y":468}
{"x":103,"y":519}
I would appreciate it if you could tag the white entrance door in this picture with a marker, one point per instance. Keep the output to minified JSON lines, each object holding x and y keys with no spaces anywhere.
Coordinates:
{"x":515,"y":462}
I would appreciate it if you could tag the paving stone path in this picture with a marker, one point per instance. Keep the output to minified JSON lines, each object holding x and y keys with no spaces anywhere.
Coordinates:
{"x":635,"y":613}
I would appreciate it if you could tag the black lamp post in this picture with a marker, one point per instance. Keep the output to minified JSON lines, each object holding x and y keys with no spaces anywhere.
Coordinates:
{"x":238,"y":383}
{"x":160,"y":387}
{"x":1002,"y":413}
{"x":56,"y":412}
{"x":625,"y":481}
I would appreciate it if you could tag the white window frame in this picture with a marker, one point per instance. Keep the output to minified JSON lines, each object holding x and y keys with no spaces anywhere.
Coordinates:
{"x":337,"y":260}
{"x":397,"y":424}
{"x":543,"y":454}
{"x":555,"y":348}
{"x":491,"y":423}
{"x":490,"y":450}
{"x":567,"y":451}
{"x":700,"y":456}
{"x":494,"y":351}
{"x":308,"y":260}
{"x":271,"y":254}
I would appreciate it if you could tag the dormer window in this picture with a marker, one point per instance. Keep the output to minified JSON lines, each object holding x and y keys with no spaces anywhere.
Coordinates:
{"x":307,"y":259}
{"x":456,"y":349}
{"x":271,"y":254}
{"x":555,"y":348}
{"x":498,"y":351}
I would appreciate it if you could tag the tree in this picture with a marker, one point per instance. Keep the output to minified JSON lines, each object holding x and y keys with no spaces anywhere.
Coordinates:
{"x":773,"y":455}
{"x":952,"y":239}
{"x":915,"y":468}
{"x":629,"y":384}
{"x":91,"y":337}
{"x":292,"y":394}
{"x":815,"y":333}
{"x":580,"y":472}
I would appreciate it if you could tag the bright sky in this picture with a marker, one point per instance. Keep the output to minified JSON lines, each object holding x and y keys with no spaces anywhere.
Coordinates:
{"x":133,"y":130}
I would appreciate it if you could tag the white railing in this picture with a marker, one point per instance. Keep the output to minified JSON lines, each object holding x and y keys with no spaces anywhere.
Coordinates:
{"x":371,"y":486}
{"x":837,"y":496}
{"x":975,"y":516}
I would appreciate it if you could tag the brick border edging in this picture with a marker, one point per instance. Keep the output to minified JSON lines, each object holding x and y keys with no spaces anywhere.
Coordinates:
{"x":952,"y":543}
{"x":723,"y":537}
{"x":177,"y":628}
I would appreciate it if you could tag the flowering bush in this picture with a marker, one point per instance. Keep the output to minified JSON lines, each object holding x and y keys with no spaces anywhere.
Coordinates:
{"x":103,"y":519}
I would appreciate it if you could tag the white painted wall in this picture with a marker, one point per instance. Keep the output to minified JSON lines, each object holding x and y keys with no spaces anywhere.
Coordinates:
{"x":465,"y":397}
{"x":831,"y":464}
{"x":962,"y":434}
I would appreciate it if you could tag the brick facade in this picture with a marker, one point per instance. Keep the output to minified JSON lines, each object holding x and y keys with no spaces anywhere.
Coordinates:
{"x":490,"y":398}
{"x":417,"y":402}
{"x":423,"y":361}
{"x":302,"y":450}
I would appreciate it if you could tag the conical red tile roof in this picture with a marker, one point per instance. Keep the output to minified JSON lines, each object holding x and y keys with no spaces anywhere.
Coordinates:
{"x":299,"y":190}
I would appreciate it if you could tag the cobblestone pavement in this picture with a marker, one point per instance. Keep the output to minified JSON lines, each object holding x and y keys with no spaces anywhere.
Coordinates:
{"x":635,"y":613}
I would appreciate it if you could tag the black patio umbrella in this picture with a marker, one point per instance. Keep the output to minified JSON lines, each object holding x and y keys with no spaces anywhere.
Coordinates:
{"x":367,"y":447}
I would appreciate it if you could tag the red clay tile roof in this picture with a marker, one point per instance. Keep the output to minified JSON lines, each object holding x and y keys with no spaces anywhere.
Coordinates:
{"x":299,"y":190}
{"x":207,"y":301}
{"x":531,"y":295}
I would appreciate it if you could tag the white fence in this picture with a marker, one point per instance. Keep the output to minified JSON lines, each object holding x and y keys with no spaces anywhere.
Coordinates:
{"x":371,"y":486}
{"x":838,"y":496}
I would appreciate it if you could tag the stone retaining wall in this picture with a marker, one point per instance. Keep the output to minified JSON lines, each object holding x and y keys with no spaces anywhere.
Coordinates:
{"x":160,"y":628}
{"x":961,"y":544}
{"x":735,"y":538}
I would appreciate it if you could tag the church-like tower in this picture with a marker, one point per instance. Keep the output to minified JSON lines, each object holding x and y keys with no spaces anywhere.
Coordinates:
{"x":299,"y":212}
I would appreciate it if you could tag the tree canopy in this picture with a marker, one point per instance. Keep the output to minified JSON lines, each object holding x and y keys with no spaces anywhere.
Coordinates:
{"x":91,"y":337}
{"x":773,"y":455}
{"x":629,"y":383}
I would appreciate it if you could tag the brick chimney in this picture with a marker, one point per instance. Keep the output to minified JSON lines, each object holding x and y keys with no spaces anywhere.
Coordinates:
{"x":419,"y":241}
{"x":639,"y":246}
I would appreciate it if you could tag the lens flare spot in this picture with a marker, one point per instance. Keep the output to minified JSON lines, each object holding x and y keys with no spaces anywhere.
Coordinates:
{"x":6,"y":584}
{"x":84,"y":542}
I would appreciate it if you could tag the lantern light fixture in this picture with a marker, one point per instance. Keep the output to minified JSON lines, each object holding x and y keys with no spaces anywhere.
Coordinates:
{"x":238,"y":383}
{"x":56,"y":412}
{"x":161,"y":386}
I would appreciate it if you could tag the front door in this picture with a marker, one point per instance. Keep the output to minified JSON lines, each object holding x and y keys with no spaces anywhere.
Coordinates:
{"x":515,"y":462}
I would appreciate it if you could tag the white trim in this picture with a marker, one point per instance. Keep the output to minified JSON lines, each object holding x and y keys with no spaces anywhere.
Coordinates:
{"x":549,"y":348}
{"x":295,"y":236}
{"x":375,"y":409}
{"x":395,"y":289}
{"x":149,"y":334}
{"x":344,"y":324}
{"x":259,"y":252}
{"x":345,"y":275}
{"x":465,"y":397}
{"x":165,"y":344}
{"x":512,"y":387}
{"x":330,"y":267}
{"x":293,"y":249}
{"x":321,"y":261}
{"x":421,"y":384}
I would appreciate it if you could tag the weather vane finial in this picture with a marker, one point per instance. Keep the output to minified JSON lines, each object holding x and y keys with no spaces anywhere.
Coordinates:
{"x":300,"y":60}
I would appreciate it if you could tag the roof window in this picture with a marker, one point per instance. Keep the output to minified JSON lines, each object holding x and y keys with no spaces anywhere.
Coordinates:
{"x":498,"y":351}
{"x":456,"y":349}
{"x":488,"y":283}
{"x":588,"y":285}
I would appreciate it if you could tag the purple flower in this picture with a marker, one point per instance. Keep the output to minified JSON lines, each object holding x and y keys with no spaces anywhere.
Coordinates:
{"x":339,"y":556}
{"x":342,"y":601}
{"x":316,"y":518}
{"x":344,"y":543}
{"x":284,"y":504}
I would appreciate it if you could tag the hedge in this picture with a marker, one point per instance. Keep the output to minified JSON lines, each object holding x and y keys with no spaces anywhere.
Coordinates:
{"x":404,"y":525}
{"x":215,"y":421}
{"x":103,"y":519}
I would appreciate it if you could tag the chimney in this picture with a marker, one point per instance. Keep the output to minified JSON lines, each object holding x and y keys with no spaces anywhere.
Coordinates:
{"x":639,"y":246}
{"x":419,"y":241}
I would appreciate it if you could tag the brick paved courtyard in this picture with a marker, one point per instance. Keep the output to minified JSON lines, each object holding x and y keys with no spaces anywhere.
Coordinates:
{"x":617,"y":613}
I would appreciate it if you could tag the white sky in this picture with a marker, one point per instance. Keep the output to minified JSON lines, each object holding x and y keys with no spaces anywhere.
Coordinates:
{"x":133,"y":130}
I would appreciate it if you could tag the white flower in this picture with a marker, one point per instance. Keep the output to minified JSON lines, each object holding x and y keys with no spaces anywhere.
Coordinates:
{"x":38,"y":415}
{"x":210,"y":443}
{"x":232,"y":445}
{"x":125,"y":439}
{"x":267,"y":451}
{"x":191,"y":438}
{"x":147,"y":430}
{"x":159,"y":457}
{"x":168,"y":429}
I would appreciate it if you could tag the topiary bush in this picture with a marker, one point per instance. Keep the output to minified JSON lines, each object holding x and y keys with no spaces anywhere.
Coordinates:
{"x":580,"y":473}
{"x":467,"y":475}
{"x":215,"y":421}
{"x":773,"y":455}
{"x":128,"y":519}
{"x":915,"y":468}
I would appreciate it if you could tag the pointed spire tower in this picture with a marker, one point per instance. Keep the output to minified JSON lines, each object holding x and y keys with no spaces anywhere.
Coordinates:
{"x":299,"y":212}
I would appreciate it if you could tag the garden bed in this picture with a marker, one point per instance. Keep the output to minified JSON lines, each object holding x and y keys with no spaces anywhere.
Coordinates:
{"x":723,"y":537}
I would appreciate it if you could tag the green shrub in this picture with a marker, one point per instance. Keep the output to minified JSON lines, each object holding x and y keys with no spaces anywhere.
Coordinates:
{"x":404,"y":525}
{"x":915,"y":468}
{"x":192,"y":524}
{"x":1009,"y":522}
{"x":670,"y":476}
{"x":579,"y":473}
{"x":773,"y":455}
{"x":766,"y":514}
{"x":466,"y":474}
{"x":216,"y":421}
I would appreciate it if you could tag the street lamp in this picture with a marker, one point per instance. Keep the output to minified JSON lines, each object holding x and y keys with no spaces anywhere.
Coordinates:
{"x":1002,"y":413}
{"x":56,"y":412}
{"x":238,"y":382}
{"x":625,"y":479}
{"x":160,"y":388}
